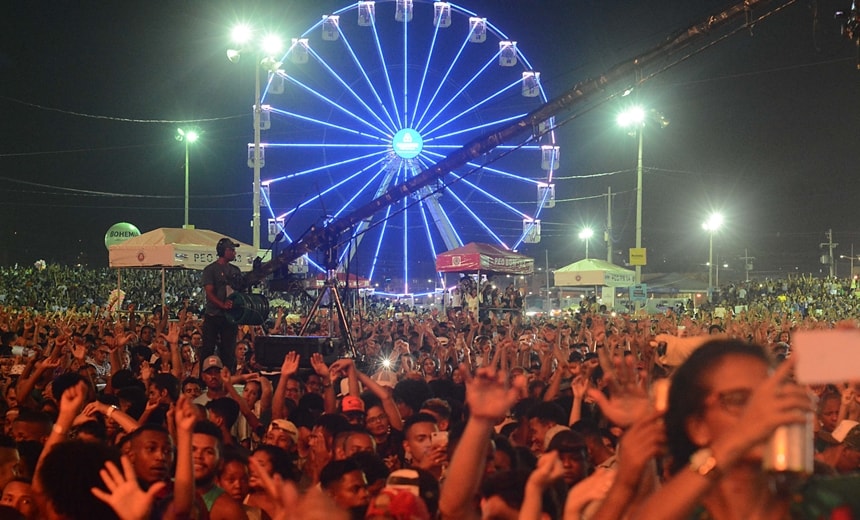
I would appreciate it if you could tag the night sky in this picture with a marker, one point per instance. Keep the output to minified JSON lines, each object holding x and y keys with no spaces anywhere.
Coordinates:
{"x":763,"y":128}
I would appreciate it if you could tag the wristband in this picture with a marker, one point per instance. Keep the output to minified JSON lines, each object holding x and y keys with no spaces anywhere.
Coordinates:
{"x":111,"y":410}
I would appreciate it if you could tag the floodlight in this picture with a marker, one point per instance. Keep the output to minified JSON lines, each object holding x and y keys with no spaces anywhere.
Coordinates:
{"x":233,"y":55}
{"x":241,"y":33}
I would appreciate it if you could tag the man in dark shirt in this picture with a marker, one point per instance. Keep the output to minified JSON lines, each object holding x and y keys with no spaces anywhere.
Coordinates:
{"x":220,"y":280}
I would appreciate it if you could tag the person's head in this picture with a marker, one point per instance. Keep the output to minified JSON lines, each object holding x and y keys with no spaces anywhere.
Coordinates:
{"x":192,"y":387}
{"x":440,"y":409}
{"x":150,"y":450}
{"x":275,"y":461}
{"x":573,"y":454}
{"x":417,"y":433}
{"x":18,"y":493}
{"x":234,"y":477}
{"x":10,"y":460}
{"x":226,"y":249}
{"x":352,"y":407}
{"x":242,"y":350}
{"x":68,"y":473}
{"x":293,"y":389}
{"x":828,"y":410}
{"x":542,"y":417}
{"x":251,"y":392}
{"x":189,"y":355}
{"x":708,"y":394}
{"x":324,"y":431}
{"x":206,"y":450}
{"x":314,"y":383}
{"x":409,"y":395}
{"x":282,"y":434}
{"x":163,"y":389}
{"x":376,"y":421}
{"x":223,"y":411}
{"x":147,"y":332}
{"x":196,"y":340}
{"x":345,"y":483}
{"x":358,"y":441}
{"x":31,"y":426}
{"x":211,"y":373}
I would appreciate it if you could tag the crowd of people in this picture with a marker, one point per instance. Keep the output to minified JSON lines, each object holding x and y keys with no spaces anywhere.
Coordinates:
{"x":455,"y":413}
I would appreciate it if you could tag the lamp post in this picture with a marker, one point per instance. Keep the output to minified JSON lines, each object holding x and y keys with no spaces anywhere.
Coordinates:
{"x":715,"y":220}
{"x":635,"y":118}
{"x":269,"y":46}
{"x":586,"y":234}
{"x":187,"y":136}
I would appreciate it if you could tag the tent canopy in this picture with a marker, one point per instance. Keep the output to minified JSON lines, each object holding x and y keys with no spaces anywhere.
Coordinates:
{"x":591,"y":271}
{"x":176,"y":248}
{"x":474,"y":257}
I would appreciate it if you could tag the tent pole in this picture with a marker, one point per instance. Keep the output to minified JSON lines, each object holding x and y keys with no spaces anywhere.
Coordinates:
{"x":162,"y":290}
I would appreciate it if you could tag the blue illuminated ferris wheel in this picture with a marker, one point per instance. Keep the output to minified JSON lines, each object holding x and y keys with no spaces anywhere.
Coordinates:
{"x":375,"y":93}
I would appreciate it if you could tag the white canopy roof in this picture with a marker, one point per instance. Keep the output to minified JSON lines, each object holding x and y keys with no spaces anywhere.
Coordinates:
{"x":594,"y":272}
{"x":176,"y":248}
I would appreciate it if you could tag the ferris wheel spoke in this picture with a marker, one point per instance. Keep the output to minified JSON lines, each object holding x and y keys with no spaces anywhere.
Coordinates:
{"x":476,"y":218}
{"x":384,"y":227}
{"x":317,"y":197}
{"x":456,"y":95}
{"x":351,"y":91}
{"x":469,"y":108}
{"x":326,"y":124}
{"x":383,"y":62}
{"x":427,"y":228}
{"x":324,"y":167}
{"x":490,"y":169}
{"x":443,"y":80}
{"x":334,"y":105}
{"x":406,"y":246}
{"x":424,"y":73}
{"x":370,"y":84}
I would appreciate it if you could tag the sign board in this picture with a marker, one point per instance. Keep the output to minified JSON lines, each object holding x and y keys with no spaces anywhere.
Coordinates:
{"x":639,"y":293}
{"x":638,"y":256}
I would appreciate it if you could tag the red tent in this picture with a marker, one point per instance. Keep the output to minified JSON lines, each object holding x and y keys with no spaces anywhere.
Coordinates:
{"x":484,"y":258}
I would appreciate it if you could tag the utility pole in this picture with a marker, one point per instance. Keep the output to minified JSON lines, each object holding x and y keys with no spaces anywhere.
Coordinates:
{"x":830,"y":247}
{"x":608,"y":235}
{"x":747,"y":263}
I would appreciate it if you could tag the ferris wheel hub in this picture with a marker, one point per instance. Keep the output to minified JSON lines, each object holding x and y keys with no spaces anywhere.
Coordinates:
{"x":407,"y":143}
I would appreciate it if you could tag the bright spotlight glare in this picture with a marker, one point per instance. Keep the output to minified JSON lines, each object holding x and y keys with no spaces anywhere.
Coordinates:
{"x":586,"y":233}
{"x":631,"y":117}
{"x":241,"y":33}
{"x":386,"y":363}
{"x":713,"y":223}
{"x":191,"y":136}
{"x":272,"y":45}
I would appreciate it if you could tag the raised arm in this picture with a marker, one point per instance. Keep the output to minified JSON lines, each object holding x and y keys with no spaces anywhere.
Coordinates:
{"x":289,"y":367}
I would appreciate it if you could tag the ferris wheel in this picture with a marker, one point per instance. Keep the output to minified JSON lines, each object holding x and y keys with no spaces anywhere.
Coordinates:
{"x":373,"y":94}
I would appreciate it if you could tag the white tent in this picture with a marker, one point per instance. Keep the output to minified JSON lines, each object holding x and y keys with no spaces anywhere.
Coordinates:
{"x":175,"y":248}
{"x":594,"y":272}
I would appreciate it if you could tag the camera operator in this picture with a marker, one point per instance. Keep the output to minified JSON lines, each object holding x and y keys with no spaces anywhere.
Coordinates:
{"x":220,"y":279}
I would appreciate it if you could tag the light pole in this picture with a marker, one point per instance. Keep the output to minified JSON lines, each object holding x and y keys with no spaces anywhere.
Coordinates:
{"x":715,"y":220}
{"x":635,"y":118}
{"x":187,"y":136}
{"x":586,"y":234}
{"x":269,"y":46}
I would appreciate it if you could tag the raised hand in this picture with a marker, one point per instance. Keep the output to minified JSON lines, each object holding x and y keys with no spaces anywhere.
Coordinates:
{"x":628,"y":396}
{"x":185,"y":415}
{"x":319,"y":366}
{"x":73,"y":399}
{"x":488,"y":394}
{"x":172,"y":336}
{"x":549,"y":469}
{"x":290,"y":365}
{"x":124,"y":495}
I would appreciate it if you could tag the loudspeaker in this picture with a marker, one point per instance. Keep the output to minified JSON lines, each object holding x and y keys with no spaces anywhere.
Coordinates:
{"x":270,"y":351}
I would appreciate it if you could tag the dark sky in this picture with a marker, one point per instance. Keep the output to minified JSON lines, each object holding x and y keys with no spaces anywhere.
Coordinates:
{"x":763,"y":128}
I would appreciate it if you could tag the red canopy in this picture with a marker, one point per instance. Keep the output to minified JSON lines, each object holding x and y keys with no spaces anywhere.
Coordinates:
{"x":474,"y":257}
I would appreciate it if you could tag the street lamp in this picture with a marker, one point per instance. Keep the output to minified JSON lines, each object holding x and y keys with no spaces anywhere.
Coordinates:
{"x":715,"y":220}
{"x":188,"y":136}
{"x":635,"y":118}
{"x":586,"y":234}
{"x":269,"y":46}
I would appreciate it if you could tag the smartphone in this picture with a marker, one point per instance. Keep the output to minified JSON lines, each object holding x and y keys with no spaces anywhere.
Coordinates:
{"x":439,"y":439}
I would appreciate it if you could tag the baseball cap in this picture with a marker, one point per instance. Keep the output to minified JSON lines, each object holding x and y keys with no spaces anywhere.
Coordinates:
{"x":398,"y":504}
{"x":351,"y":403}
{"x":212,"y":362}
{"x":551,"y":433}
{"x":286,"y":426}
{"x":442,"y":340}
{"x":226,"y":243}
{"x":419,"y":482}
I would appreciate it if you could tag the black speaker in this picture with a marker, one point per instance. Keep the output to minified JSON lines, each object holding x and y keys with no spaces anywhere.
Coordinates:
{"x":270,"y":351}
